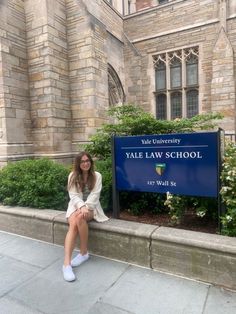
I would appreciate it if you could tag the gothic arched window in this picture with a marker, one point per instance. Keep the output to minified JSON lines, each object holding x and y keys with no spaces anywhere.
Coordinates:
{"x":115,"y":88}
{"x":177,"y":83}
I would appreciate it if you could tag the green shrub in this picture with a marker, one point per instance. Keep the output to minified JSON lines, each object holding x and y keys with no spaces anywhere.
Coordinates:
{"x":35,"y":183}
{"x":138,"y":203}
{"x":179,"y":205}
{"x":228,"y":190}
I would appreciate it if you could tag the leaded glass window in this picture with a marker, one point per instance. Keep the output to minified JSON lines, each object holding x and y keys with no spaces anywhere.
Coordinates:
{"x":176,"y":105}
{"x":175,"y":73}
{"x":176,"y":83}
{"x":161,"y":76}
{"x":192,"y":103}
{"x":161,"y":110}
{"x":192,"y":71}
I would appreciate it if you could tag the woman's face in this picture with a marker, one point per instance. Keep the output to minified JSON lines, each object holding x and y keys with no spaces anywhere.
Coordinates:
{"x":85,"y":163}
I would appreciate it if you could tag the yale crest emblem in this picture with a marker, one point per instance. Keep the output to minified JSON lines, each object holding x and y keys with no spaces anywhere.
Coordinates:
{"x":160,"y":169}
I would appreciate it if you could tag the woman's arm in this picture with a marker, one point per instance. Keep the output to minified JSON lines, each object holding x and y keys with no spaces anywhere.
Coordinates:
{"x":75,"y":197}
{"x":94,"y":196}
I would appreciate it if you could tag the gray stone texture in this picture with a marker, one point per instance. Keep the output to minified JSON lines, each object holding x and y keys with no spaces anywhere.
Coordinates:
{"x":32,"y":283}
{"x":54,"y":57}
{"x":195,"y":255}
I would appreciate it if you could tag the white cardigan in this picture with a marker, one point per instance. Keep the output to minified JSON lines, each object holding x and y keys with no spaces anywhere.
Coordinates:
{"x":76,"y":199}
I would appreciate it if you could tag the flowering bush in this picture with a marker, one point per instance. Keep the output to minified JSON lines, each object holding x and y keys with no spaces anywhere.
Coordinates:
{"x":228,"y":190}
{"x":179,"y":205}
{"x":176,"y":205}
{"x":205,"y":206}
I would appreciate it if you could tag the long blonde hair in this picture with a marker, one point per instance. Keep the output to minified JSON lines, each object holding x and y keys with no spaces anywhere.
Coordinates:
{"x":76,"y":178}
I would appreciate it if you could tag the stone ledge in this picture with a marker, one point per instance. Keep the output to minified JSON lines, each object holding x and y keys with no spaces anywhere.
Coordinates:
{"x":122,"y":240}
{"x":202,"y":256}
{"x":34,"y":223}
{"x":196,"y":239}
{"x":206,"y":257}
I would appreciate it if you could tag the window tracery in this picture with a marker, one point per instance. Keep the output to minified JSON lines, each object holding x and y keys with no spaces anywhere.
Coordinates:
{"x":176,"y":83}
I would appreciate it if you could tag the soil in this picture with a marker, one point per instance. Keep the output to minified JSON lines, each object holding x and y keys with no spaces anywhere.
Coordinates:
{"x":189,"y":222}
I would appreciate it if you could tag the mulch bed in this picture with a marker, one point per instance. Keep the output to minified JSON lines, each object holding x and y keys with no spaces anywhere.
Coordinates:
{"x":190,"y":221}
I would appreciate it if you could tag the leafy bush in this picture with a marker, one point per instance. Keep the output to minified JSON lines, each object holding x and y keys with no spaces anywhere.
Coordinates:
{"x":35,"y":183}
{"x":178,"y":205}
{"x":139,"y":202}
{"x":228,"y":190}
{"x":132,"y":120}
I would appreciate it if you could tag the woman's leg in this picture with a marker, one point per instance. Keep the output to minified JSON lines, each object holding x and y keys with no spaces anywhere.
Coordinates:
{"x":82,"y":225}
{"x":70,"y":239}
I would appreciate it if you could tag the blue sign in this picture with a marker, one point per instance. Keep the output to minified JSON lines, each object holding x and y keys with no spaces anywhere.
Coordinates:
{"x":185,"y":164}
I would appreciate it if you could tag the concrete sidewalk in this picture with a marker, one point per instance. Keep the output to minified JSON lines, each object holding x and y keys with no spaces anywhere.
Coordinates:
{"x":31,"y":282}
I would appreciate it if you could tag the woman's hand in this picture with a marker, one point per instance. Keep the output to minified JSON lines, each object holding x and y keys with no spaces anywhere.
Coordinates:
{"x":84,"y":211}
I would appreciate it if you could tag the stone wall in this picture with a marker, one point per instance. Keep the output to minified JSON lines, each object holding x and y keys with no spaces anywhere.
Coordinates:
{"x":180,"y":24}
{"x":95,"y":34}
{"x":54,"y":57}
{"x":15,"y":122}
{"x":223,"y":84}
{"x":46,"y":31}
{"x":54,"y":74}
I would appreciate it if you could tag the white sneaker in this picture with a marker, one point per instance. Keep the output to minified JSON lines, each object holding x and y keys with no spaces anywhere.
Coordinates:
{"x":68,"y":273}
{"x":79,"y":259}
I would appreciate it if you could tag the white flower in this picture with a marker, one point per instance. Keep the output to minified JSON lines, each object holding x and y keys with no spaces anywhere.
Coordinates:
{"x":225,"y":188}
{"x":228,"y":218}
{"x":201,"y":214}
{"x":168,"y":195}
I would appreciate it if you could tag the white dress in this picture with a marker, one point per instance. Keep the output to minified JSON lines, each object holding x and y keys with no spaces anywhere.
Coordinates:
{"x":76,"y":199}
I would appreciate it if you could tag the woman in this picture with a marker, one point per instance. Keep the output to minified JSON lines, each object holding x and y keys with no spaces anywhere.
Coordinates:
{"x":84,"y":187}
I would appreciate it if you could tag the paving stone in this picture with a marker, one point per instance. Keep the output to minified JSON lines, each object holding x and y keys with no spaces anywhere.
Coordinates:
{"x":11,"y":306}
{"x":141,"y":291}
{"x":93,"y":279}
{"x":32,"y":252}
{"x":34,"y":284}
{"x":13,"y":273}
{"x":220,"y":301}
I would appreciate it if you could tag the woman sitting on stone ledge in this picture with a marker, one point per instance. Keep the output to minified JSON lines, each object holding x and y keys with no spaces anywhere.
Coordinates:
{"x":84,"y":187}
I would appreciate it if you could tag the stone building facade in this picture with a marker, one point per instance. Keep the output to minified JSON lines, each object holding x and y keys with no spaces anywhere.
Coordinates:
{"x":64,"y":62}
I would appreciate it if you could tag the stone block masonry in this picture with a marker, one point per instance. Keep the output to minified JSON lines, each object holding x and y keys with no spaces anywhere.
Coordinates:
{"x":209,"y":25}
{"x":15,"y":128}
{"x":54,"y":75}
{"x":46,"y":29}
{"x":64,"y":62}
